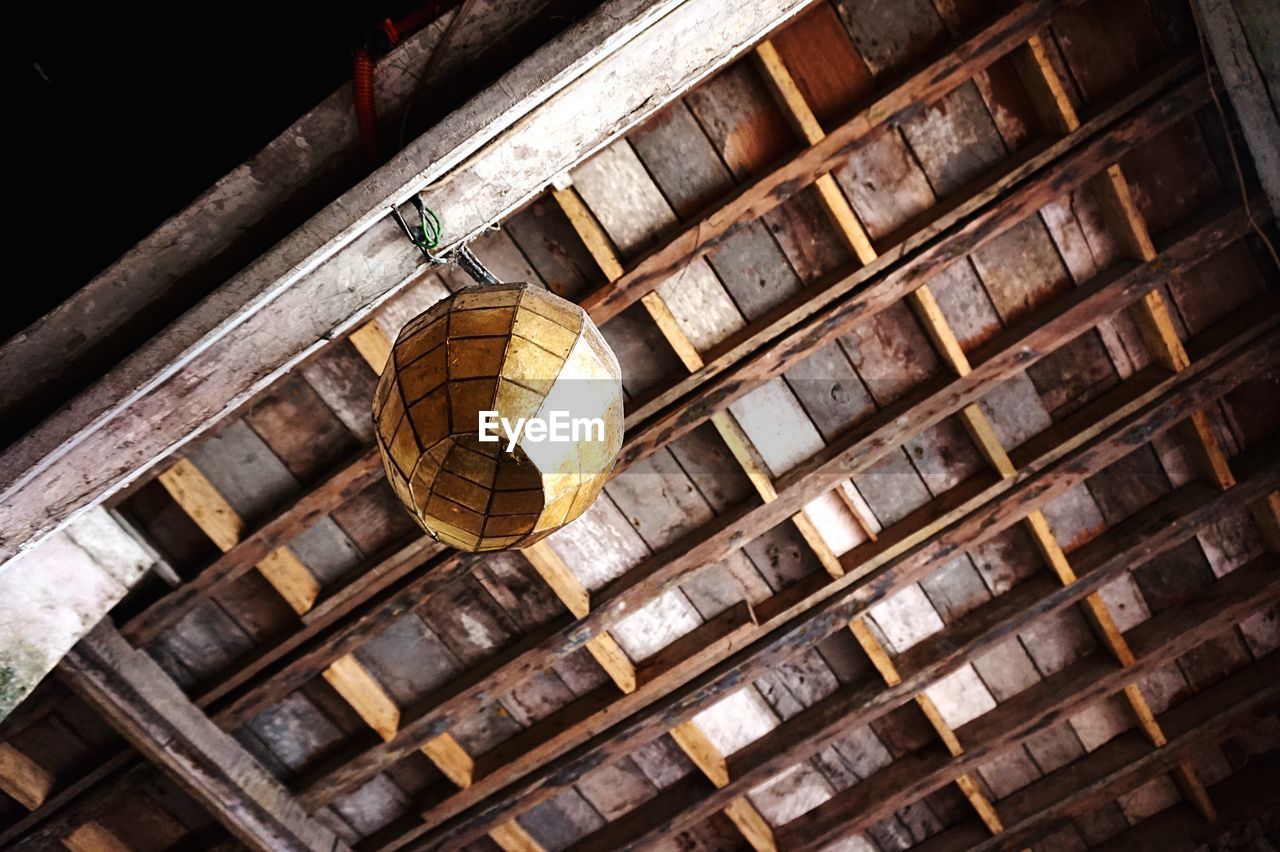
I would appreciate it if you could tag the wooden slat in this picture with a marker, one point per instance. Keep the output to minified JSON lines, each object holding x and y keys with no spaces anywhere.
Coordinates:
{"x":840,"y":306}
{"x":1245,"y":796}
{"x":373,"y":344}
{"x":346,"y":482}
{"x":92,"y":837}
{"x":511,"y":837}
{"x":890,"y":428}
{"x":582,"y":719}
{"x":1091,"y":445}
{"x":1152,"y":317}
{"x":65,"y":795}
{"x":604,"y":648}
{"x":856,"y":239}
{"x":1162,"y":526}
{"x":1157,"y":642}
{"x":688,"y":736}
{"x":149,"y":709}
{"x":211,"y":512}
{"x":349,"y":678}
{"x":1125,"y":763}
{"x":753,"y":200}
{"x":322,"y":499}
{"x":1028,"y":166}
{"x":366,"y":696}
{"x":26,"y":781}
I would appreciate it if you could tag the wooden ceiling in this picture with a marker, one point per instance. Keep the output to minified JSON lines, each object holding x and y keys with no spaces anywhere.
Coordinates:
{"x":946,"y":519}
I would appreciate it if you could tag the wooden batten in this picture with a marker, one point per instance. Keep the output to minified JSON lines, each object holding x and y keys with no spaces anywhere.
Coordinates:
{"x":92,"y":837}
{"x":1152,"y":317}
{"x":201,"y":501}
{"x":928,"y":370}
{"x":145,"y":706}
{"x":688,"y":736}
{"x":26,"y":781}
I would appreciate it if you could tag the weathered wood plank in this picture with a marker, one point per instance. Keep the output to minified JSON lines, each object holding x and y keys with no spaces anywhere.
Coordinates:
{"x":628,"y":57}
{"x":1252,"y":94}
{"x":1158,"y":641}
{"x":732,"y":529}
{"x":756,"y":199}
{"x":1161,"y":527}
{"x":827,"y":609}
{"x":150,"y":710}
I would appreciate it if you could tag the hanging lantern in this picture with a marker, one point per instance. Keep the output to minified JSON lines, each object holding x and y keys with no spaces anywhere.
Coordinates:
{"x":499,"y":416}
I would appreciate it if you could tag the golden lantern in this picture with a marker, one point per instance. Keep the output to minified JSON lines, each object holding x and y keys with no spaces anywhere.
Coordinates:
{"x":499,"y":416}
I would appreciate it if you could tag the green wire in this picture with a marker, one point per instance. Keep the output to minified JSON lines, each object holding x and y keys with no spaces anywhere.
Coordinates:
{"x":430,"y":227}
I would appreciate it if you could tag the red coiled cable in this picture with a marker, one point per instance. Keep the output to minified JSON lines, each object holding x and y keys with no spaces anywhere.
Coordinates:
{"x":366,"y":111}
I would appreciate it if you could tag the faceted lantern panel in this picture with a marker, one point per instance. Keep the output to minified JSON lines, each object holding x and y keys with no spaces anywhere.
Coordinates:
{"x":509,"y":361}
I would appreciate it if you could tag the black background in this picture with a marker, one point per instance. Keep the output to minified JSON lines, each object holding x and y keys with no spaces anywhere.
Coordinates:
{"x":124,"y":114}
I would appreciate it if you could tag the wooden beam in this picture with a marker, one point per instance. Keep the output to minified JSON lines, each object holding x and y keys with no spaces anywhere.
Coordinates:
{"x":248,"y":209}
{"x":1244,"y":796}
{"x":386,"y":578}
{"x":688,"y":736}
{"x":1127,"y":762}
{"x":753,"y":200}
{"x":65,"y":795}
{"x":733,"y":529}
{"x":548,"y":640}
{"x":90,"y":799}
{"x":149,"y":709}
{"x":196,"y":496}
{"x":328,"y":494}
{"x":1014,"y":351}
{"x":1152,"y":317}
{"x":1162,"y":526}
{"x":1156,"y":642}
{"x":93,"y":837}
{"x":295,"y":583}
{"x":245,"y":549}
{"x":26,"y":781}
{"x":594,"y":712}
{"x":855,"y":297}
{"x":627,"y":58}
{"x":807,"y":617}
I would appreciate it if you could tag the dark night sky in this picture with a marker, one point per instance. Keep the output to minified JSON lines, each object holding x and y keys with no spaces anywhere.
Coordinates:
{"x":125,"y":115}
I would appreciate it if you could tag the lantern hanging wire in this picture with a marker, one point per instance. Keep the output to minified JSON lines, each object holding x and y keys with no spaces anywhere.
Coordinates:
{"x":426,"y":237}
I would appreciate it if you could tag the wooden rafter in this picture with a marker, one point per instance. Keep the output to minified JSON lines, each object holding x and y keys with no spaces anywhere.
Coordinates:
{"x":754,"y":200}
{"x":1179,"y":394}
{"x":349,"y":478}
{"x":855,"y":237}
{"x":1161,"y":527}
{"x":148,"y":708}
{"x":1011,"y":352}
{"x":1061,"y":461}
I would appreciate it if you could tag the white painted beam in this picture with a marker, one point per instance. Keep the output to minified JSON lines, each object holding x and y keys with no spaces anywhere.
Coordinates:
{"x":53,"y":594}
